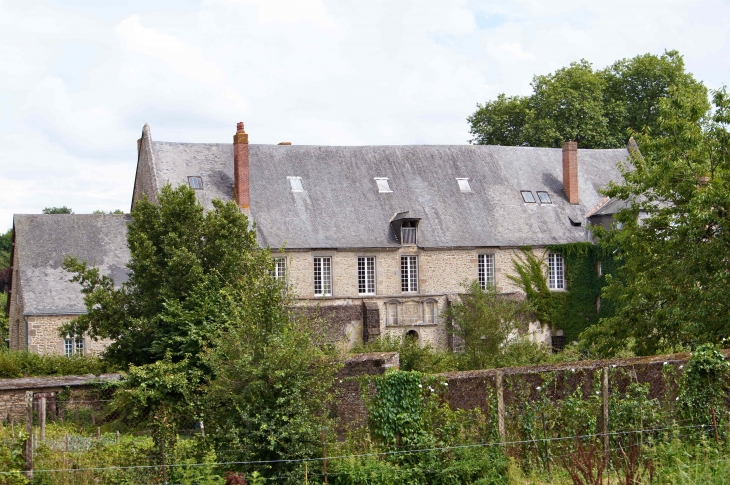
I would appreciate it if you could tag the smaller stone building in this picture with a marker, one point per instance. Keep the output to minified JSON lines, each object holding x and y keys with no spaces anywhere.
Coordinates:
{"x":42,"y":297}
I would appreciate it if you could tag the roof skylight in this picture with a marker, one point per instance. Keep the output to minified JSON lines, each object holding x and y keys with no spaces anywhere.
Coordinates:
{"x":383,"y":186}
{"x":195,"y":182}
{"x":527,"y":196}
{"x":296,"y":184}
{"x":464,"y":184}
{"x":544,"y":197}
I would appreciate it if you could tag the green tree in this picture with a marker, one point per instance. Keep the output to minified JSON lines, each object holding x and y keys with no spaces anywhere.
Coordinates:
{"x":673,"y":245}
{"x":485,"y":320}
{"x":58,"y":210}
{"x":181,"y":259}
{"x":595,"y":108}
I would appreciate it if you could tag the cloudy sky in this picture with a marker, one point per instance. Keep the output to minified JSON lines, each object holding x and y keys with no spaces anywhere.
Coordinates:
{"x":78,"y":79}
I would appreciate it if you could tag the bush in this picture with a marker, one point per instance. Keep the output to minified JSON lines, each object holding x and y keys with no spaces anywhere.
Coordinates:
{"x":14,"y":364}
{"x":412,"y":355}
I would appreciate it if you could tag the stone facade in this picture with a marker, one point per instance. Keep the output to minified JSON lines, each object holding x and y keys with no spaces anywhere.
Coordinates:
{"x":442,"y":275}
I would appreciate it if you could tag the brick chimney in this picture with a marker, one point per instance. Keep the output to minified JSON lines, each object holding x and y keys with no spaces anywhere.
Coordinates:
{"x":570,"y":171}
{"x":240,"y":168}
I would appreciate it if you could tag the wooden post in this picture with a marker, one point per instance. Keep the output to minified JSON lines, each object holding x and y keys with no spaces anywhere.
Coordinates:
{"x":117,"y":437}
{"x":162,"y":452}
{"x":202,"y":429}
{"x":66,"y":442}
{"x":42,"y":418}
{"x":29,"y":432}
{"x":714,"y":424}
{"x":500,"y":408}
{"x":98,"y":433}
{"x":324,"y":457}
{"x":604,"y":395}
{"x":12,"y":426}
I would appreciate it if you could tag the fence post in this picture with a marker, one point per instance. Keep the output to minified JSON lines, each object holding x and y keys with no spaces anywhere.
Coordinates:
{"x":42,"y":418}
{"x":324,"y":457}
{"x":29,"y":431}
{"x":604,"y":393}
{"x":500,"y":407}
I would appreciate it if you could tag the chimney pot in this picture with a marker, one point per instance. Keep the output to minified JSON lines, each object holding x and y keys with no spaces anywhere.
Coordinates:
{"x":285,"y":143}
{"x":570,"y":171}
{"x":241,"y":180}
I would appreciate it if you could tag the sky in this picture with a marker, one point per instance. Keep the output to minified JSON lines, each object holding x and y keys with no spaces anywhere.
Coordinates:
{"x":79,"y":79}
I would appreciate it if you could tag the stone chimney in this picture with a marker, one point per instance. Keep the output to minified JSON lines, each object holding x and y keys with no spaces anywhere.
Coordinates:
{"x":570,"y":171}
{"x":240,"y":168}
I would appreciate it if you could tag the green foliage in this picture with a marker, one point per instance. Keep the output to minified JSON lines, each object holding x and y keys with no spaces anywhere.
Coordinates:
{"x":484,"y":319}
{"x":271,"y":391}
{"x":183,"y":261}
{"x":704,"y":386}
{"x":672,"y":245}
{"x":58,"y":210}
{"x":412,"y":355}
{"x":405,"y":414}
{"x":14,"y":364}
{"x":115,"y":211}
{"x":575,"y":309}
{"x":594,"y":108}
{"x":6,"y":241}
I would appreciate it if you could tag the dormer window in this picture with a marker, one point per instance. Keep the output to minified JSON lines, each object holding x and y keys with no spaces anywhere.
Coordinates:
{"x":383,"y":185}
{"x":404,"y":227}
{"x":464,"y":184}
{"x":195,"y":182}
{"x":296,"y":184}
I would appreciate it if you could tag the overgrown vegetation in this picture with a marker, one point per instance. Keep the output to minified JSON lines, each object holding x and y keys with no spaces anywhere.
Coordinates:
{"x":422,"y":357}
{"x":14,"y":364}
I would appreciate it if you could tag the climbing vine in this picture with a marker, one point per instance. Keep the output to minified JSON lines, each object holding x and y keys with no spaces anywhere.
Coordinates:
{"x":704,"y":387}
{"x":579,"y":307}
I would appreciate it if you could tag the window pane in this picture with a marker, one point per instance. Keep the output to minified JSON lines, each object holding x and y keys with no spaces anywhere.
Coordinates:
{"x":323,"y":276}
{"x":296,"y":184}
{"x":68,"y":346}
{"x":464,"y":185}
{"x":383,"y":185}
{"x":80,"y":345}
{"x":557,"y":272}
{"x":486,"y":271}
{"x":392,"y":314}
{"x":279,"y":271}
{"x":195,"y":182}
{"x":544,"y":197}
{"x":528,"y":197}
{"x":409,"y":273}
{"x":366,"y":275}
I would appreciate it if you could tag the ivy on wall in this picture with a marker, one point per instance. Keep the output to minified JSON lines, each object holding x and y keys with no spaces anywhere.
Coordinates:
{"x":577,"y":308}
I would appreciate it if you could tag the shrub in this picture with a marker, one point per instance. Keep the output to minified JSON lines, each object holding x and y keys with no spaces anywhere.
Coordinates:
{"x":14,"y":364}
{"x":412,"y":355}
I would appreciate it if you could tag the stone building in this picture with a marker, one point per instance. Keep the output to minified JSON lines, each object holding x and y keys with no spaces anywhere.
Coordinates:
{"x":41,"y":297}
{"x":379,"y":238}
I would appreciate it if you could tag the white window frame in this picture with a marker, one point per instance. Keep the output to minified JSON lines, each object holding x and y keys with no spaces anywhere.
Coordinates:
{"x":73,"y":345}
{"x":486,"y":270}
{"x":279,"y":271}
{"x":464,"y":185}
{"x":409,"y":274}
{"x":322,"y":276}
{"x":366,"y":275}
{"x":556,"y":271}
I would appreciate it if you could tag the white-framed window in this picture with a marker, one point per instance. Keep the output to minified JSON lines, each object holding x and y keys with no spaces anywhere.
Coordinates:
{"x":323,"y":276}
{"x":408,"y":233}
{"x":464,"y":184}
{"x":556,"y":268}
{"x":485,"y":273}
{"x":295,"y":183}
{"x":409,"y":274}
{"x":430,"y":312}
{"x":73,"y":345}
{"x":366,"y":275}
{"x":279,"y":271}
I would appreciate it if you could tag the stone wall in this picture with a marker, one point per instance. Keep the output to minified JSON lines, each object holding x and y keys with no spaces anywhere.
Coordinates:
{"x":44,"y":338}
{"x":442,"y":274}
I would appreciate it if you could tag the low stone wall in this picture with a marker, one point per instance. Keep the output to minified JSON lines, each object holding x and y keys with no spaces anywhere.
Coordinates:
{"x":12,"y":391}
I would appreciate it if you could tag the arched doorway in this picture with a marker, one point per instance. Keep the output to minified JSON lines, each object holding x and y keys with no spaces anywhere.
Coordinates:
{"x":412,"y":334}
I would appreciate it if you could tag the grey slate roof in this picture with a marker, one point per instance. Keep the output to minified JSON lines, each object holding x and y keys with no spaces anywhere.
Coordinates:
{"x":43,"y":242}
{"x":342,"y":208}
